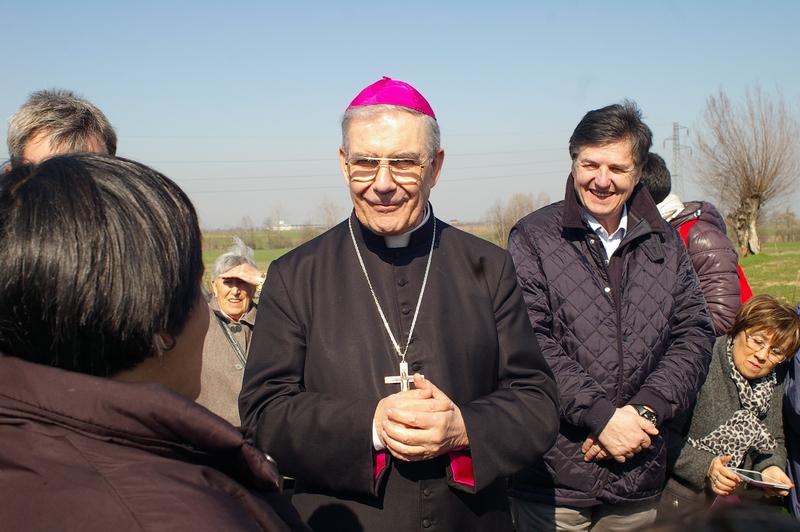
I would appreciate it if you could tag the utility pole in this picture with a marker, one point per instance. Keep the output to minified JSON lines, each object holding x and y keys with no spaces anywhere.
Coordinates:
{"x":677,"y":176}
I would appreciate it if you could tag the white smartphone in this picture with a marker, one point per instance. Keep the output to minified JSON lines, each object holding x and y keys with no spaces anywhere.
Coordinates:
{"x":756,"y":478}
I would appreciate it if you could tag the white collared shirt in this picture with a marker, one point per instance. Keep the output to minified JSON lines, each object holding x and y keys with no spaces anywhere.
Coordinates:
{"x":610,"y":242}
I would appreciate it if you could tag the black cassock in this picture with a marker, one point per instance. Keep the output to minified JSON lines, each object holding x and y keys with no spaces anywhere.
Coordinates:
{"x":320,"y":352}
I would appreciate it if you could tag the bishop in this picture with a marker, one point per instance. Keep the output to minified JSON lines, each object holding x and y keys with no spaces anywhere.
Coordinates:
{"x":332,"y":316}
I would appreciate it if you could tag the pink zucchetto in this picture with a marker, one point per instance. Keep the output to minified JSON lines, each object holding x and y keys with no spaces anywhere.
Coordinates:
{"x":388,"y":91}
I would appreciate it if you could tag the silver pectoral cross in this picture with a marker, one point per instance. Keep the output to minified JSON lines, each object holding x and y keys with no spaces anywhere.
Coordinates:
{"x":404,"y":379}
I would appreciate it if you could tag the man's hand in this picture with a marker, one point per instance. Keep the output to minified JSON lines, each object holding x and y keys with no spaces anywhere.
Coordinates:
{"x":420,"y":424}
{"x":244,"y":272}
{"x":625,"y":434}
{"x":400,"y":401}
{"x":593,"y":450}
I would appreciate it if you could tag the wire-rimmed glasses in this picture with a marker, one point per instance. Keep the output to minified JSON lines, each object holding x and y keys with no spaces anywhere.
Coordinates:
{"x":756,"y":344}
{"x":403,"y":171}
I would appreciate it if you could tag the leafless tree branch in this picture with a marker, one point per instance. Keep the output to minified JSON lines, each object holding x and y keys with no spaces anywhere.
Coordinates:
{"x":746,"y":157}
{"x":501,"y":217}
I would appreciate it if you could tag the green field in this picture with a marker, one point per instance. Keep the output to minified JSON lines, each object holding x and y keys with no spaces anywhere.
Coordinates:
{"x":268,"y":245}
{"x":775,"y":271}
{"x":263,"y":258}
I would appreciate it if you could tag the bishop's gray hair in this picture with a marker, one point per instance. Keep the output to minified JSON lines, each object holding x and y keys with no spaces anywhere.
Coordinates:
{"x":238,"y":253}
{"x":70,"y":122}
{"x":433,"y":135}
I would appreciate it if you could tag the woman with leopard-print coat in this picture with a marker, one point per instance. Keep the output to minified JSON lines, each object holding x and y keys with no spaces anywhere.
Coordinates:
{"x":736,"y":420}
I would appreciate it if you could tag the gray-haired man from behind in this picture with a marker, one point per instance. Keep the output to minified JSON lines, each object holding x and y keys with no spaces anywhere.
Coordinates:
{"x":57,"y":121}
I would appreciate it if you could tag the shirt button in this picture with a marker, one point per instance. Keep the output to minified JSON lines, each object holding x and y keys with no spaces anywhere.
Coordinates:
{"x":426,"y":523}
{"x":426,"y":492}
{"x":607,"y":289}
{"x":401,"y":282}
{"x":406,"y":310}
{"x":238,"y":366}
{"x":416,"y":366}
{"x":591,"y":241}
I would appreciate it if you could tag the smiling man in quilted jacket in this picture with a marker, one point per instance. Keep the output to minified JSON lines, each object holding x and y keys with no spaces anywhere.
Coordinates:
{"x":621,"y":319}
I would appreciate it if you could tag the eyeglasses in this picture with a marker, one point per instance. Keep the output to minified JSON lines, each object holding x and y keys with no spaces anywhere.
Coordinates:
{"x":403,"y":171}
{"x":756,"y":344}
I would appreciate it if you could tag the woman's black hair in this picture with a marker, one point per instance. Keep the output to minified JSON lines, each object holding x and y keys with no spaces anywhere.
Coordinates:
{"x":98,"y":257}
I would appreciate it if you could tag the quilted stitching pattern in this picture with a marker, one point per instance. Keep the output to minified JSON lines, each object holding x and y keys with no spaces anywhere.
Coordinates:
{"x":664,"y":336}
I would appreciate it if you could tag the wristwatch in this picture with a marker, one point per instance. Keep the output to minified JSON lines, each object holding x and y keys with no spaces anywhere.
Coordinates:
{"x":646,"y":413}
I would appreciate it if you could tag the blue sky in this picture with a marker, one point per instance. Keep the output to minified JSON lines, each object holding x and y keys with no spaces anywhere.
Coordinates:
{"x":240,"y":102}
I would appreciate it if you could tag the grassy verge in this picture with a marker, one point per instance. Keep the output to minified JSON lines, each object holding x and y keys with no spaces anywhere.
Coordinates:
{"x":263,"y":258}
{"x":775,"y":271}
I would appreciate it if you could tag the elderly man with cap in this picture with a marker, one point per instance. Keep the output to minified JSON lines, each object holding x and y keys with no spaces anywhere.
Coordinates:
{"x":393,"y":371}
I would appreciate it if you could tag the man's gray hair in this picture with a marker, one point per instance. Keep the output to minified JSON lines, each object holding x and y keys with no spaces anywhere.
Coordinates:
{"x":70,"y":122}
{"x":432,"y":136}
{"x":238,"y":253}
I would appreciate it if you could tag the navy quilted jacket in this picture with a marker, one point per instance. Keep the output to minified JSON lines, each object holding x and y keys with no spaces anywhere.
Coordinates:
{"x":644,"y":339}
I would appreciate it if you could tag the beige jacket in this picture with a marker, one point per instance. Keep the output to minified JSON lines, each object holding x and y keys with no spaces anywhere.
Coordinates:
{"x":221,"y":378}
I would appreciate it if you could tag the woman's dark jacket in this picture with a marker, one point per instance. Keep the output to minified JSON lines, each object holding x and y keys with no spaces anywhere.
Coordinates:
{"x":791,"y":408}
{"x":87,"y":453}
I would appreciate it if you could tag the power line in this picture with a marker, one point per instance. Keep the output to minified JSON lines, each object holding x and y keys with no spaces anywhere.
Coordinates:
{"x":331,"y":174}
{"x":337,"y":186}
{"x":328,"y":159}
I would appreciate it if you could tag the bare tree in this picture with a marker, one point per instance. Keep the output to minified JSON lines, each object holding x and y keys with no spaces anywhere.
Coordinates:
{"x":785,"y":224}
{"x":501,"y":217}
{"x":275,"y":218}
{"x":329,"y":212}
{"x":247,"y":229}
{"x":276,"y":238}
{"x":494,"y":219}
{"x":746,"y":157}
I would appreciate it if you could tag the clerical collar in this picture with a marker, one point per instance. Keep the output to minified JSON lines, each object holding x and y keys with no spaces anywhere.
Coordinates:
{"x":401,"y":241}
{"x":610,"y":242}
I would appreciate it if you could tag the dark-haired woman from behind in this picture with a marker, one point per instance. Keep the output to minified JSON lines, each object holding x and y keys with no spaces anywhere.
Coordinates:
{"x":102,"y":323}
{"x":736,"y":421}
